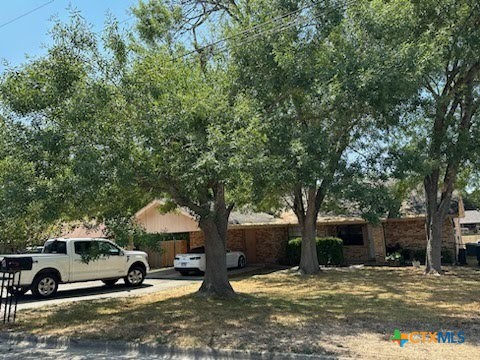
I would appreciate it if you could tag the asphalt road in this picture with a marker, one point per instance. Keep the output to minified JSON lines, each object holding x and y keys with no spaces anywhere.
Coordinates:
{"x":157,"y":280}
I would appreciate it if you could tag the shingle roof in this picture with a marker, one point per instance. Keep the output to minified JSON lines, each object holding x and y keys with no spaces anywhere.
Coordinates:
{"x":239,"y":218}
{"x":471,"y":217}
{"x":413,"y":206}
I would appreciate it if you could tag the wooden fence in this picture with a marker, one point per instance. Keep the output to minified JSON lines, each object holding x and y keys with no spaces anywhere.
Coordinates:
{"x":166,"y":255}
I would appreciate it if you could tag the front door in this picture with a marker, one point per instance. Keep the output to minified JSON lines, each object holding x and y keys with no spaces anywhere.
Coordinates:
{"x":80,"y":270}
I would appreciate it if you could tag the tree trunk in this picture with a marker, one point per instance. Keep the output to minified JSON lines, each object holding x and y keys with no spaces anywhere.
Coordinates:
{"x":437,"y":210}
{"x":215,"y":228}
{"x":433,"y":262}
{"x":307,"y":219}
{"x":215,"y":282}
{"x":309,"y":259}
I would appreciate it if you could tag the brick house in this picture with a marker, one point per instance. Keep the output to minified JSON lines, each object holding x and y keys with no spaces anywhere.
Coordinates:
{"x":263,"y":237}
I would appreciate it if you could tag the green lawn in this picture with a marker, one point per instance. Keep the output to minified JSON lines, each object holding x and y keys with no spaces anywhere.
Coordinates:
{"x":348,"y":312}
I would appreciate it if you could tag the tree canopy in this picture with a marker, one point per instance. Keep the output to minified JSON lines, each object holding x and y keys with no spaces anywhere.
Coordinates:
{"x":438,"y":136}
{"x":122,"y":121}
{"x":211,"y":105}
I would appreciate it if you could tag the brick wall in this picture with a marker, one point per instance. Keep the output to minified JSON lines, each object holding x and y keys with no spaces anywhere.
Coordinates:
{"x":355,"y":253}
{"x":196,"y":239}
{"x":411,"y":234}
{"x":271,"y":244}
{"x":322,"y":231}
{"x":379,"y":243}
{"x":236,"y":239}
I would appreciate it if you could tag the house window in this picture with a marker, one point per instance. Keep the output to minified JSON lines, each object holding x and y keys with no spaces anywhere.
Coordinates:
{"x":350,"y":234}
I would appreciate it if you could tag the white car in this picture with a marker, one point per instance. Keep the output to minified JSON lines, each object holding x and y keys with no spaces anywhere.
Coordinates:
{"x":61,"y":262}
{"x":194,"y":261}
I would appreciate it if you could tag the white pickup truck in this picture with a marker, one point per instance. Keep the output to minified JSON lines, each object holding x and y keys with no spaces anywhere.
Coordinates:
{"x":61,"y":262}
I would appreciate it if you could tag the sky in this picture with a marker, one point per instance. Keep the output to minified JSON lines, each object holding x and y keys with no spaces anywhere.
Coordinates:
{"x":29,"y":34}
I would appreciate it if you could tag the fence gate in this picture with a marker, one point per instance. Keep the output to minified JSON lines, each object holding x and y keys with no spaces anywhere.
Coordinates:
{"x":166,"y":255}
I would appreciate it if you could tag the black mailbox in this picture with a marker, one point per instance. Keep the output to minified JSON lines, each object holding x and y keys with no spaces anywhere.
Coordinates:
{"x":16,"y":263}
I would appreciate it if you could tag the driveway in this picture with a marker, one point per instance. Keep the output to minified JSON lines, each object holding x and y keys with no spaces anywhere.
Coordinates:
{"x":171,"y":274}
{"x":157,"y":280}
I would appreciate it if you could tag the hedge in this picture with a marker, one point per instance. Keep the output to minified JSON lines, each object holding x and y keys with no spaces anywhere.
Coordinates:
{"x":329,"y":251}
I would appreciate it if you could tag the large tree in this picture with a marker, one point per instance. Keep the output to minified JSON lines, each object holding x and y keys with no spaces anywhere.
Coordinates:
{"x":326,"y":82}
{"x":323,"y":79}
{"x":135,"y":119}
{"x":24,"y":216}
{"x":440,"y":134}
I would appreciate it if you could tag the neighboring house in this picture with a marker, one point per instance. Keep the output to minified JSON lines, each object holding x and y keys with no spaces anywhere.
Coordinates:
{"x":470,"y":226}
{"x":264,"y":237}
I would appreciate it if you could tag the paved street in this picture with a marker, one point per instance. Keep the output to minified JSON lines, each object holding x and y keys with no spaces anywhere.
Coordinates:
{"x":91,"y":290}
{"x":157,"y":280}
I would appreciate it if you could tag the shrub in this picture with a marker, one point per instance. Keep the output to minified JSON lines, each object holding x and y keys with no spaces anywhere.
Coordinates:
{"x":393,"y":248}
{"x":395,"y":257}
{"x":329,"y":251}
{"x":447,"y":257}
{"x":406,"y":254}
{"x":419,"y":255}
{"x":294,"y":251}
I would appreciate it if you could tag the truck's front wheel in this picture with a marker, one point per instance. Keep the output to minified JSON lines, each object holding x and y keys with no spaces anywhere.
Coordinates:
{"x":45,"y":285}
{"x":135,"y":276}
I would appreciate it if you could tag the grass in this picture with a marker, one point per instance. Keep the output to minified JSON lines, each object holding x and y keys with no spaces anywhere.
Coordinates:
{"x":344,"y":312}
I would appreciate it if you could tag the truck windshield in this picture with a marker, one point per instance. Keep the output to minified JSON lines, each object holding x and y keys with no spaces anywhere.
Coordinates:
{"x":55,"y":247}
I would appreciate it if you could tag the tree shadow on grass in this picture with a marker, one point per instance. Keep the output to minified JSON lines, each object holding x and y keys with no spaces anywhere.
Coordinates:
{"x":273,"y":322}
{"x":100,"y":289}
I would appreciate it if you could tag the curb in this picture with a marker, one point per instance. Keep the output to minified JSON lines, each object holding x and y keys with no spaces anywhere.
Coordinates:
{"x":168,"y":352}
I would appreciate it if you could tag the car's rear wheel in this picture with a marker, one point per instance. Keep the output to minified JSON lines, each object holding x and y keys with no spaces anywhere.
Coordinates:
{"x":45,"y":285}
{"x":242,"y":262}
{"x":135,"y":276}
{"x":110,"y":282}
